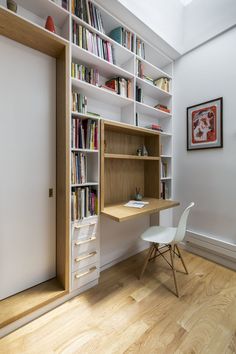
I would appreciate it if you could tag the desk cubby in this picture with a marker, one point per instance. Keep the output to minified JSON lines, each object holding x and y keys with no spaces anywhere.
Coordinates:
{"x":122,"y":170}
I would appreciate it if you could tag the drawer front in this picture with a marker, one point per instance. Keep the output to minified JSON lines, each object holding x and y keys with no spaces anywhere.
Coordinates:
{"x":84,"y":276}
{"x":79,"y":247}
{"x":84,"y":260}
{"x":84,"y":229}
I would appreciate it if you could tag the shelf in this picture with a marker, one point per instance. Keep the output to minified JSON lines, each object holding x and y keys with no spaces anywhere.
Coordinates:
{"x":45,"y":8}
{"x":83,"y":150}
{"x":165,"y":178}
{"x":130,"y":157}
{"x":152,"y":90}
{"x":84,"y":116}
{"x":151,"y":70}
{"x":122,"y":54}
{"x":168,"y":135}
{"x":104,"y":67}
{"x":119,"y":212}
{"x":151,"y":111}
{"x":27,"y":301}
{"x":87,"y":184}
{"x":128,"y":129}
{"x":101,"y":94}
{"x":166,"y":156}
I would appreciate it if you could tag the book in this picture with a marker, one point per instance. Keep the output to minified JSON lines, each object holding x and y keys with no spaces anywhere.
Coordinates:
{"x":162,"y":108}
{"x":140,"y":68}
{"x":120,"y":85}
{"x":162,"y":83}
{"x":88,"y":12}
{"x":84,"y":134}
{"x":139,"y":94}
{"x":84,"y":73}
{"x":92,"y":42}
{"x":123,"y":37}
{"x":78,"y":168}
{"x":79,"y":102}
{"x":135,"y":204}
{"x":84,"y":203}
{"x":140,"y":48}
{"x":156,"y":127}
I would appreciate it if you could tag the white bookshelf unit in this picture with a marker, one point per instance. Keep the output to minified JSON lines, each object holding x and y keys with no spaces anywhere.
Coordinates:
{"x":84,"y":232}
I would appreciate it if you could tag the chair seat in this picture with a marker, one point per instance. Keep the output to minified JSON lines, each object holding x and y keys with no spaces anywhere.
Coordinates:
{"x":159,"y":234}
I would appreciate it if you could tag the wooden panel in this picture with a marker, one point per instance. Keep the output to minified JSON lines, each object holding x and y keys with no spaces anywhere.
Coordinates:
{"x":152,"y":144}
{"x":21,"y":304}
{"x":121,"y":179}
{"x":122,"y":143}
{"x":63,"y":169}
{"x":120,"y":213}
{"x":152,"y":179}
{"x":15,"y":27}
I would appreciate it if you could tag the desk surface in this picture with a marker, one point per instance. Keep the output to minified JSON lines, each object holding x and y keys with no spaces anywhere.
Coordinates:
{"x":119,"y":212}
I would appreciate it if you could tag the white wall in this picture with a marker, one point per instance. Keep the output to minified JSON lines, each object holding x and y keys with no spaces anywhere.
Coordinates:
{"x":207,"y":177}
{"x":163,"y":17}
{"x":204,"y":19}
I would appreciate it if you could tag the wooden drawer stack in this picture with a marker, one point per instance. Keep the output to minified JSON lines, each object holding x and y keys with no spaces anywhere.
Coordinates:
{"x":84,"y":252}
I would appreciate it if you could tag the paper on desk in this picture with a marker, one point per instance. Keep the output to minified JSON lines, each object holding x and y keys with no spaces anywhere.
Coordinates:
{"x":135,"y":204}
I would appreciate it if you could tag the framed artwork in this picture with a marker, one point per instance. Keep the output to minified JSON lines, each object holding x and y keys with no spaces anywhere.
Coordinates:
{"x":205,"y":125}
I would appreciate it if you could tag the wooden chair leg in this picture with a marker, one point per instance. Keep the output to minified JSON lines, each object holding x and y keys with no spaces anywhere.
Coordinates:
{"x":174,"y":271}
{"x":146,"y":260}
{"x":182,"y":260}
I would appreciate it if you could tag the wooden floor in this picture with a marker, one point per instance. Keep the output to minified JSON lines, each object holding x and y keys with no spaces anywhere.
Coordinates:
{"x":125,"y":315}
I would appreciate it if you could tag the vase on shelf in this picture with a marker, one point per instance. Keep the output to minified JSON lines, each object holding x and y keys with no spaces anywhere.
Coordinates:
{"x":50,"y":24}
{"x":12,"y":5}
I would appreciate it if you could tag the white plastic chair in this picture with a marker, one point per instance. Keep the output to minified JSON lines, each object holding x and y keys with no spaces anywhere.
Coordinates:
{"x":170,"y":237}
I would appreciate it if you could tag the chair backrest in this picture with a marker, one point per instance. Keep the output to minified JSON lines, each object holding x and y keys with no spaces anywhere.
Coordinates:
{"x":181,"y":229}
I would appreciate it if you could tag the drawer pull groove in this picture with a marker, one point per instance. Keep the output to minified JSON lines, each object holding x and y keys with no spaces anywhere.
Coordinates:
{"x":77,"y":276}
{"x":84,"y":225}
{"x":78,"y":243}
{"x":85,"y":257}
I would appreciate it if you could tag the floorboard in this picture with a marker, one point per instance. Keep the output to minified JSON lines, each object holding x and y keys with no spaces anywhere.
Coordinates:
{"x":126,"y":315}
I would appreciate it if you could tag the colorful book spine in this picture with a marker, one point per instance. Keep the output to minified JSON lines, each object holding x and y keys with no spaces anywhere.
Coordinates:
{"x":120,"y":85}
{"x":84,"y":134}
{"x":123,"y":37}
{"x":78,"y":168}
{"x":79,"y":103}
{"x":88,"y":12}
{"x":84,"y":203}
{"x":91,"y":42}
{"x":84,"y":73}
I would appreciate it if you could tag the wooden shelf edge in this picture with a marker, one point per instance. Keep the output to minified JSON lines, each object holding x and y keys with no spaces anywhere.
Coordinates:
{"x":131,"y":157}
{"x":124,"y":127}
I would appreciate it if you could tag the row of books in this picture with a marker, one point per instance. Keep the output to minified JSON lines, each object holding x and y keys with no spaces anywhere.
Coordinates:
{"x":62,"y":3}
{"x":84,"y":73}
{"x":165,"y":192}
{"x":78,"y":168}
{"x":84,"y":203}
{"x":79,"y":102}
{"x":119,"y":85}
{"x":156,"y":127}
{"x":162,"y":107}
{"x":163,"y":83}
{"x":84,"y":134}
{"x":87,"y":40}
{"x":123,"y":37}
{"x":88,"y":12}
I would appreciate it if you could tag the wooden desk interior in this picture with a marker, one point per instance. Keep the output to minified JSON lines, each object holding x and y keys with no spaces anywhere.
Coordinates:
{"x":119,"y":212}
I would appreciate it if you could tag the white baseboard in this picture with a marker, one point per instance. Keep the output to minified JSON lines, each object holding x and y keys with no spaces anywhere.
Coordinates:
{"x":211,"y":248}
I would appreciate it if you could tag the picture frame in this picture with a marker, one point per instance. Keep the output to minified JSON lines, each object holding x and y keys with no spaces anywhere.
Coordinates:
{"x":205,"y":125}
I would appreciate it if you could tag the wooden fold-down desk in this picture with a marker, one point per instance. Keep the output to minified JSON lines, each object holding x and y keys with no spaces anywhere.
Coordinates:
{"x":119,"y":212}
